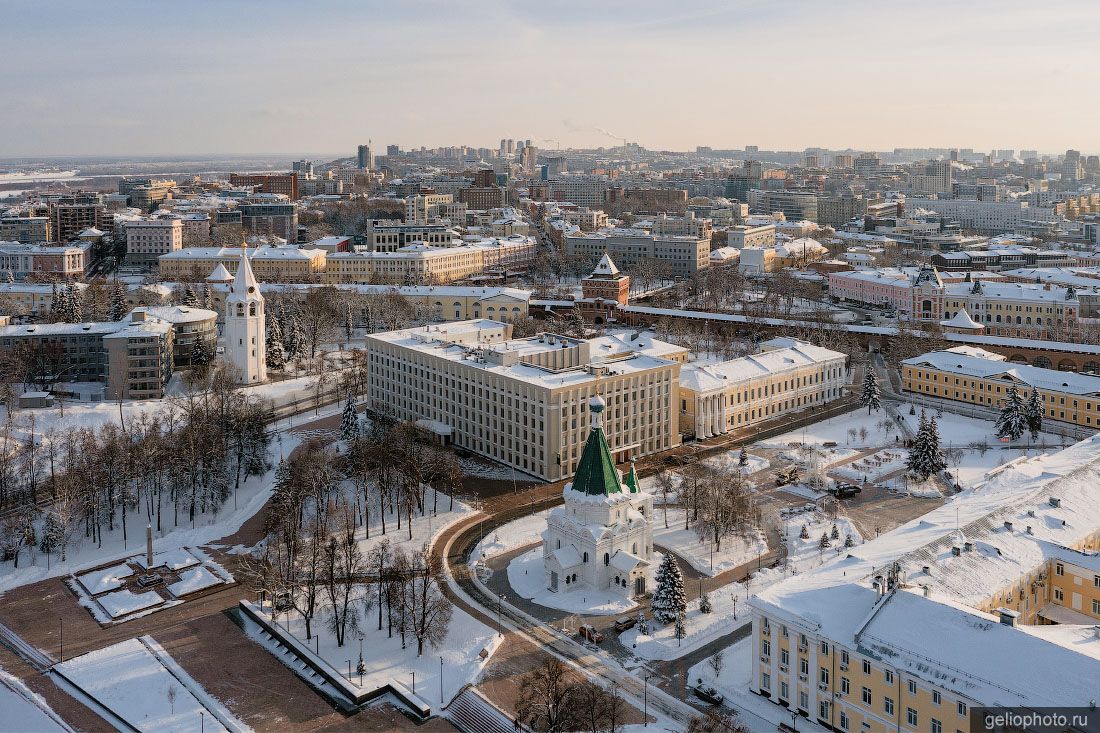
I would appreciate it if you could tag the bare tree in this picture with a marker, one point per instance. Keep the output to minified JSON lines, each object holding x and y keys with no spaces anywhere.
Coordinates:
{"x":548,"y":699}
{"x":429,"y":610}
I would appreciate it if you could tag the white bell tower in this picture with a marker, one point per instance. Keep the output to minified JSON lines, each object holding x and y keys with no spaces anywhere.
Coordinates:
{"x":244,"y":325}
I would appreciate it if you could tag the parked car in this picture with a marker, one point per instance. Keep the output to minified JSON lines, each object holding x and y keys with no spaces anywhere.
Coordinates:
{"x":588,"y":633}
{"x":624,"y":623}
{"x":845,"y":491}
{"x":829,"y":444}
{"x":708,"y":693}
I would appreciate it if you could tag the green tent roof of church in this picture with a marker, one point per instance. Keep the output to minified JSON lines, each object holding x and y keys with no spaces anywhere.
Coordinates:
{"x":632,"y":479}
{"x":596,"y":473}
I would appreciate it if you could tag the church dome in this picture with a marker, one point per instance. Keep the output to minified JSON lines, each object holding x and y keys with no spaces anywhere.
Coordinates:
{"x":596,"y":404}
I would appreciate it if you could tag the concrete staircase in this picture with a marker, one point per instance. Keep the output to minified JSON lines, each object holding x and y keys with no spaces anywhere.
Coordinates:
{"x":472,"y":713}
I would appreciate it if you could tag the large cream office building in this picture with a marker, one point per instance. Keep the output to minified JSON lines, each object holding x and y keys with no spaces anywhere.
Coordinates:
{"x":524,"y":402}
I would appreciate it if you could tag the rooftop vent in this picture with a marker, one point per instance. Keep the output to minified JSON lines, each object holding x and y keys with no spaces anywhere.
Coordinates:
{"x":1008,"y":526}
{"x":956,"y":551}
{"x":1029,"y":529}
{"x":1008,"y":616}
{"x":1055,"y":501}
{"x":968,"y":546}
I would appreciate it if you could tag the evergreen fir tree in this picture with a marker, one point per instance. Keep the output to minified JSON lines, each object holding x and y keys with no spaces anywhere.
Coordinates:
{"x":201,"y":355}
{"x":925,"y":457}
{"x":835,"y":533}
{"x":669,"y":599}
{"x":275,"y":357}
{"x":871,"y":396}
{"x":1012,"y":422}
{"x":349,"y":322}
{"x":1033,"y":413}
{"x":349,"y":426}
{"x":804,"y":534}
{"x":643,"y":626}
{"x":188,"y":299}
{"x":274,"y":331}
{"x":848,"y":541}
{"x":704,"y":604}
{"x":118,"y":301}
{"x":52,"y":533}
{"x":295,"y":339}
{"x":824,"y":542}
{"x":743,"y":458}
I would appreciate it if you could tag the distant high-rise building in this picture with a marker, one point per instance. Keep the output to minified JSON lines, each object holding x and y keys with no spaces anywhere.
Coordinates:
{"x":365,"y":159}
{"x":868,"y":163}
{"x":303,"y":168}
{"x":1072,"y":168}
{"x":843,"y":161}
{"x":1026,"y":155}
{"x":555,"y":165}
{"x":751,"y":150}
{"x":1092,"y":164}
{"x":811,"y":161}
{"x":936,"y":178}
{"x":392,"y":151}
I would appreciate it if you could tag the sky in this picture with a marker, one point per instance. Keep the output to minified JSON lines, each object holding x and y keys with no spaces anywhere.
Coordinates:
{"x":124,"y":77}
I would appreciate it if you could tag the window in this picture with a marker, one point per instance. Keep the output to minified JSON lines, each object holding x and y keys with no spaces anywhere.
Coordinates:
{"x":784,"y":656}
{"x":888,"y":705}
{"x":824,"y":649}
{"x":844,"y":658}
{"x":936,"y":697}
{"x":865,"y":695}
{"x":1058,"y":594}
{"x":1059,"y":569}
{"x":766,"y":681}
{"x":823,"y":677}
{"x":912,"y":687}
{"x":843,"y":720}
{"x":962,"y":709}
{"x":844,"y":685}
{"x":1096,"y":607}
{"x":803,"y":700}
{"x":911,"y":716}
{"x":784,"y":691}
{"x":936,"y":726}
{"x":766,"y":648}
{"x":866,"y":667}
{"x":804,"y":666}
{"x":823,"y":710}
{"x":889,"y":676}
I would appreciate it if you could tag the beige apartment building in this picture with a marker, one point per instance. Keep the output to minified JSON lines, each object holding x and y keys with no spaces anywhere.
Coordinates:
{"x":422,"y":264}
{"x":29,"y":299}
{"x":148,"y":239}
{"x":524,"y":402}
{"x":786,"y":377}
{"x":684,"y":255}
{"x":283,"y":263}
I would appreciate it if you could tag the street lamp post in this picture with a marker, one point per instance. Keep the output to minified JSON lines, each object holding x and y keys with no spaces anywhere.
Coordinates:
{"x":500,"y":600}
{"x":61,"y":621}
{"x":414,"y":682}
{"x":441,"y":680}
{"x":645,"y":700}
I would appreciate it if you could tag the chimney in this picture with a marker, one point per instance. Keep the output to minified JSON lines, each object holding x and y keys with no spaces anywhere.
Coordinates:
{"x":926,"y":569}
{"x":1008,"y":526}
{"x":148,"y":546}
{"x":1055,"y":502}
{"x":927,"y":591}
{"x":1029,"y":529}
{"x":956,"y":550}
{"x":1008,"y":616}
{"x":968,"y":546}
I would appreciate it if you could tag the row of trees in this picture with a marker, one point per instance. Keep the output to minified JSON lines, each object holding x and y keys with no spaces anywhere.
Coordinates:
{"x":165,"y":466}
{"x":716,"y":499}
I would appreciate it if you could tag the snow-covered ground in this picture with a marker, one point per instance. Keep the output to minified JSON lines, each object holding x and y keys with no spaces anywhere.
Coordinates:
{"x":525,"y":575}
{"x":132,"y":682}
{"x":172,"y":559}
{"x":193,"y":580}
{"x":868,"y":432}
{"x":423,"y":527}
{"x":385,"y":660}
{"x":874,"y":466}
{"x":23,"y":710}
{"x":123,"y":602}
{"x":101,"y":581}
{"x":479,"y":467}
{"x":686,"y":544}
{"x":700,"y":628}
{"x":511,"y":536}
{"x":83,"y":553}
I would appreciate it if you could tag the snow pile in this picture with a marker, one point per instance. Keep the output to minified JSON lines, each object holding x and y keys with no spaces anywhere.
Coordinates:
{"x":527,"y":578}
{"x":177,"y":559}
{"x":194,"y":580}
{"x":123,"y":602}
{"x":101,"y":581}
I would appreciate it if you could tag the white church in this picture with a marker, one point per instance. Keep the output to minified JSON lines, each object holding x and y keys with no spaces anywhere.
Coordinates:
{"x":244,"y":331}
{"x":603,"y":537}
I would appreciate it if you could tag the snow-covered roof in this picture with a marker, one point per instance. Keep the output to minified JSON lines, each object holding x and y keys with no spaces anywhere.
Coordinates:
{"x":1052,"y":501}
{"x":780,"y":355}
{"x":220,"y":274}
{"x":177,"y":314}
{"x":1031,"y":376}
{"x":976,"y":352}
{"x":606,"y":267}
{"x":625,"y":562}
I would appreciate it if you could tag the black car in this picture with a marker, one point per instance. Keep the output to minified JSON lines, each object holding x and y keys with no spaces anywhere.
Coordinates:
{"x":845,"y":491}
{"x":708,"y":693}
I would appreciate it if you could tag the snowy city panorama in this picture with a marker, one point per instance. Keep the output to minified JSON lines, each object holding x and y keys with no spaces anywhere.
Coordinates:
{"x":611,"y":391}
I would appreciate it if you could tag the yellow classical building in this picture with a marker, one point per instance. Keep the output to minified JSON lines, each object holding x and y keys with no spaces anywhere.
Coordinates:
{"x":984,"y":379}
{"x":285,"y":263}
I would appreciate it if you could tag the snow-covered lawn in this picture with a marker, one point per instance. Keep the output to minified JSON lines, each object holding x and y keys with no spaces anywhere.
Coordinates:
{"x":869,"y":434}
{"x":23,"y":710}
{"x":525,"y":575}
{"x":193,"y":580}
{"x":423,"y":527}
{"x":685,"y":543}
{"x":804,"y":553}
{"x":172,"y":559}
{"x":731,"y":459}
{"x":123,"y":602}
{"x":385,"y":660}
{"x":101,"y":581}
{"x":129,"y":680}
{"x":83,"y":553}
{"x":700,"y":628}
{"x":511,"y":536}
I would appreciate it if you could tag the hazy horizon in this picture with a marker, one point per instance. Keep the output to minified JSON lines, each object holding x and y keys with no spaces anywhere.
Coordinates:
{"x":250,"y":78}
